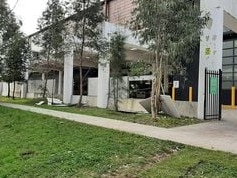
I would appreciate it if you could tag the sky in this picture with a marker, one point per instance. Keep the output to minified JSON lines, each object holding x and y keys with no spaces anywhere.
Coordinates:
{"x":28,"y":11}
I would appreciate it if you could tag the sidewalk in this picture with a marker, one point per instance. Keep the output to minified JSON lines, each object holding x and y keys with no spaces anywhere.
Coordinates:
{"x":215,"y":135}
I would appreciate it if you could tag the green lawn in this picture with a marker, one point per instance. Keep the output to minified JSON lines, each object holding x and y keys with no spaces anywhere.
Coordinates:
{"x":163,"y":121}
{"x":34,"y":145}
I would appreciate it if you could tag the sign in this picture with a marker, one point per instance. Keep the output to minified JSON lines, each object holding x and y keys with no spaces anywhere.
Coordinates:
{"x":213,"y":85}
{"x":207,"y":51}
{"x":176,"y":84}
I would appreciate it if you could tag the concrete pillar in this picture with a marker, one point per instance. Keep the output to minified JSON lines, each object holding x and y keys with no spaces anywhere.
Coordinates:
{"x":210,"y":51}
{"x":103,"y":83}
{"x":23,"y":90}
{"x":68,"y":77}
{"x":43,"y":76}
{"x":60,"y":82}
{"x":1,"y":88}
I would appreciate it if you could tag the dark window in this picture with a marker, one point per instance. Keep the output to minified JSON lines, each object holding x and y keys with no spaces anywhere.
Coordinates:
{"x":140,"y":89}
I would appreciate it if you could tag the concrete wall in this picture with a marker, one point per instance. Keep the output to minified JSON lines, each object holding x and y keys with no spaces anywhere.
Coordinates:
{"x":229,"y":6}
{"x":86,"y":100}
{"x":187,"y":109}
{"x":5,"y":89}
{"x":92,"y":86}
{"x":34,"y":89}
{"x":1,"y":85}
{"x":110,"y":28}
{"x":210,"y":47}
{"x":221,"y":13}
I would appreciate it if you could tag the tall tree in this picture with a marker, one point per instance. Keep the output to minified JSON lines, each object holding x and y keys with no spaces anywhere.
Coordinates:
{"x":51,"y":37}
{"x":10,"y":36}
{"x":15,"y":61}
{"x":117,"y":63}
{"x":4,"y":10}
{"x":86,"y":32}
{"x":172,"y":29}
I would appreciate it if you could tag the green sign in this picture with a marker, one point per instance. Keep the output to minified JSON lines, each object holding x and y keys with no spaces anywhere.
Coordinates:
{"x":213,"y":85}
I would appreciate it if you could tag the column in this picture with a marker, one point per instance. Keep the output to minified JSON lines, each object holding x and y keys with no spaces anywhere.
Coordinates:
{"x":103,"y":83}
{"x":68,"y":77}
{"x":210,"y":51}
{"x":24,"y":85}
{"x":60,"y":81}
{"x":43,"y":76}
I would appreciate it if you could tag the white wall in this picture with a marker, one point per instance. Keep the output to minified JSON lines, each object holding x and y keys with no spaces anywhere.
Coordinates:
{"x":222,"y":12}
{"x":68,"y":77}
{"x":110,"y":28}
{"x":210,"y":51}
{"x":1,"y":85}
{"x":33,"y":88}
{"x":5,"y":89}
{"x":92,"y":86}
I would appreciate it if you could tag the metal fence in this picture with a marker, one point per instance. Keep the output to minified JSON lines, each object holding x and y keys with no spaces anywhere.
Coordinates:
{"x":212,"y":99}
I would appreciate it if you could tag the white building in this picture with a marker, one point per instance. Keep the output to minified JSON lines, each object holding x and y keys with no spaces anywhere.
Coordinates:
{"x":223,"y":22}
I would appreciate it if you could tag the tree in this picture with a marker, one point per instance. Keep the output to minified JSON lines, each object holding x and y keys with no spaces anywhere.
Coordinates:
{"x":11,"y":46}
{"x":51,"y":37}
{"x":15,"y":60}
{"x":117,"y":63}
{"x":86,"y":33}
{"x":171,"y":29}
{"x":4,"y":10}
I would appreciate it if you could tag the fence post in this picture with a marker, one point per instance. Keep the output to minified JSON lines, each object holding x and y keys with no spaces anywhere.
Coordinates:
{"x":220,"y":94}
{"x":190,"y":94}
{"x":233,"y":97}
{"x":173,"y":93}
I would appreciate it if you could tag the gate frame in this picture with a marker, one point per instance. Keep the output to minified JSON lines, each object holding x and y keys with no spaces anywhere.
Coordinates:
{"x":207,"y":100}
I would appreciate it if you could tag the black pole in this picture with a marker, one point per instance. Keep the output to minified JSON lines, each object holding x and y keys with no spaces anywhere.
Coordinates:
{"x":205,"y":93}
{"x":220,"y":94}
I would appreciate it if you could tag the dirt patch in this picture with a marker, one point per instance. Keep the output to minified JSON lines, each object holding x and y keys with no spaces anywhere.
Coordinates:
{"x":132,"y":170}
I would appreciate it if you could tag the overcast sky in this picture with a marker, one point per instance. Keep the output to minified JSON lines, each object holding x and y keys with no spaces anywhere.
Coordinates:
{"x":28,"y":11}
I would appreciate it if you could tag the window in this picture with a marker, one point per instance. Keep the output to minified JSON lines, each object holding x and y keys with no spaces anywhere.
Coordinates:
{"x":228,"y":52}
{"x":227,"y":85}
{"x":228,"y":60}
{"x":227,"y":44}
{"x":140,"y":89}
{"x":229,"y":63}
{"x":227,"y":68}
{"x":227,"y":76}
{"x":235,"y":43}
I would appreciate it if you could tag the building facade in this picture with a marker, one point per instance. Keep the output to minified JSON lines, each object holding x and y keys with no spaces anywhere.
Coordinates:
{"x":217,"y":50}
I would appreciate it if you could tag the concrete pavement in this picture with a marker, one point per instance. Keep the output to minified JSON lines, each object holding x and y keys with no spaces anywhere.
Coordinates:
{"x":215,"y":135}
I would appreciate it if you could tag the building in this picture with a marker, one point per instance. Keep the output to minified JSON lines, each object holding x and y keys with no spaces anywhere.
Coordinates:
{"x":218,"y":50}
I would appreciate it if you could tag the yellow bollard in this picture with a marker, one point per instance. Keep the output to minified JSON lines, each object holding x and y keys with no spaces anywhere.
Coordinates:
{"x":233,"y":97}
{"x":190,"y":94}
{"x":173,"y":93}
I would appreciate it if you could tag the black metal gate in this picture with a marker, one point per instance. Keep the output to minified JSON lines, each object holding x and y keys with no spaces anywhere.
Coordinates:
{"x":212,"y":98}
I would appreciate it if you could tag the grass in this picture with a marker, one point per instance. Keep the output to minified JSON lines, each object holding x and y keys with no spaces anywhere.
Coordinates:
{"x":195,"y":162}
{"x":34,"y":145}
{"x":163,"y":121}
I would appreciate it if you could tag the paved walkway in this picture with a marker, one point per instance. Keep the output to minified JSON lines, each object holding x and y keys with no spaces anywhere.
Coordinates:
{"x":215,"y":135}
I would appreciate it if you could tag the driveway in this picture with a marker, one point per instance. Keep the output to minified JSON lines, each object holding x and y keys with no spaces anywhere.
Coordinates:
{"x":214,"y":134}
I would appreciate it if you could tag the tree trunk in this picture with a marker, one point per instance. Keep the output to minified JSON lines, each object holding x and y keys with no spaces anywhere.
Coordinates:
{"x":53,"y":86}
{"x":115,"y":91}
{"x":81,"y":57}
{"x":166,"y":77}
{"x":81,"y":86}
{"x":14,"y":88}
{"x":156,"y":85}
{"x":117,"y":94}
{"x":45,"y":85}
{"x":8,"y":89}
